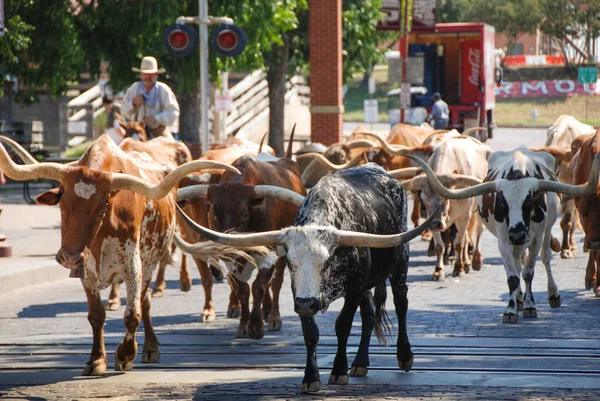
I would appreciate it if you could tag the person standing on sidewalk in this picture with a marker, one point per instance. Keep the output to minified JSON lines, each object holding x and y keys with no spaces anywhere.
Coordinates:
{"x":439,"y":112}
{"x":152,"y":102}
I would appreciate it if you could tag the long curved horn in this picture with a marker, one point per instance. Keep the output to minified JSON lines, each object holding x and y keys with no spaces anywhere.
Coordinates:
{"x":135,"y":184}
{"x":360,"y":143}
{"x":574,"y":190}
{"x":288,"y":152}
{"x":30,"y":171}
{"x":416,"y":183}
{"x":322,"y":160}
{"x":351,"y":238}
{"x":279,"y":193}
{"x":396,"y":150}
{"x":458,"y":179}
{"x":255,"y":239}
{"x":19,"y":150}
{"x":407,"y":172}
{"x":447,"y":193}
{"x":261,"y":142}
{"x":561,"y":155}
{"x":212,"y":252}
{"x":192,"y":192}
{"x":474,"y":129}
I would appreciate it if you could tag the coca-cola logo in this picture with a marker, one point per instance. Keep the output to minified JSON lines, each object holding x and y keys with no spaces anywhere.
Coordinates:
{"x":475,"y":62}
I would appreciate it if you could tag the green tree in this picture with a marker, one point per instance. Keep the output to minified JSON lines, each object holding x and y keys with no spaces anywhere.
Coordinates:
{"x":40,"y":48}
{"x":452,"y":10}
{"x":510,"y":17}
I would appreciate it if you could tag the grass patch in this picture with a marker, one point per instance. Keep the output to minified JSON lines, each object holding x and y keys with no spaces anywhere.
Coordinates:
{"x":515,"y":111}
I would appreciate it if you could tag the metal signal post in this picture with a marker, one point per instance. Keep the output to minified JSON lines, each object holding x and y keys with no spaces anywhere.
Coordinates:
{"x":203,"y":20}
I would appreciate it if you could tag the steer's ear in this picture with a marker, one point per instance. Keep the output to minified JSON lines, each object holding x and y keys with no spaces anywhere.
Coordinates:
{"x":50,"y":198}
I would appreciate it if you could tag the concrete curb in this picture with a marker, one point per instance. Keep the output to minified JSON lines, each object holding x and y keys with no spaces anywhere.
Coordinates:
{"x":28,"y":277}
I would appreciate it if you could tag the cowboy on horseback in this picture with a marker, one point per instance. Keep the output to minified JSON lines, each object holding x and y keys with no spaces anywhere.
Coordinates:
{"x":150,"y":102}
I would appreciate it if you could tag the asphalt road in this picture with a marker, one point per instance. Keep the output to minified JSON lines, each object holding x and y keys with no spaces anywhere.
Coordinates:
{"x":462,"y":348}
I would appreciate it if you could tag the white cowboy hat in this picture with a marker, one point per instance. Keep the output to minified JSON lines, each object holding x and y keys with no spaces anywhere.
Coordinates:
{"x":149,"y":65}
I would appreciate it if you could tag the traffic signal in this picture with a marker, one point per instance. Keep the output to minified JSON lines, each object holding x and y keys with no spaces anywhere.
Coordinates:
{"x":228,"y":40}
{"x":180,"y":40}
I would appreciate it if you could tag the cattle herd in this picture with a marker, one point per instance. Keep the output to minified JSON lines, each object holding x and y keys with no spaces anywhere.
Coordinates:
{"x":124,"y":210}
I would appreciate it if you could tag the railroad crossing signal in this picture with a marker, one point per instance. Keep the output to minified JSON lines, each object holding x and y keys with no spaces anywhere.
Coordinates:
{"x":228,"y":40}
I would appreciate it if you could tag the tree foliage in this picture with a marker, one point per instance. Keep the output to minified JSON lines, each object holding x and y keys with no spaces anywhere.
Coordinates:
{"x":41,"y":47}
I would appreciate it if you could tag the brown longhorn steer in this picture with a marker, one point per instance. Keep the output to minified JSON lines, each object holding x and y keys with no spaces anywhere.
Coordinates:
{"x":110,"y":231}
{"x":235,"y":206}
{"x":585,"y":148}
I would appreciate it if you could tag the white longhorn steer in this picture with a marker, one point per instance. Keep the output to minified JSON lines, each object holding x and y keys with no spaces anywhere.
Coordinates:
{"x":519,"y":206}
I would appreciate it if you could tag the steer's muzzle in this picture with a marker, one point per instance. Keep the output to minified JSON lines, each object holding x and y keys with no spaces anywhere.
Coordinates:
{"x":437,"y":225}
{"x":517,"y":236}
{"x":307,"y":306}
{"x":70,"y":260}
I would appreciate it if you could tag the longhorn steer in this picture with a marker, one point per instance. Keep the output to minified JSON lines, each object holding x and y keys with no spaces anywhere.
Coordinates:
{"x":110,"y":231}
{"x":585,"y":149}
{"x":167,"y":152}
{"x":333,"y":251}
{"x":558,"y":143}
{"x":460,"y":161}
{"x":235,"y":205}
{"x":519,"y":206}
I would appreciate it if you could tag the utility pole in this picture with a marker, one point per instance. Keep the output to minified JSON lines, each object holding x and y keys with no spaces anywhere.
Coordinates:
{"x":403,"y":84}
{"x":203,"y":20}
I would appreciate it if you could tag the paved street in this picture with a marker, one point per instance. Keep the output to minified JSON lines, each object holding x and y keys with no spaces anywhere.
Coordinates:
{"x":463,"y":351}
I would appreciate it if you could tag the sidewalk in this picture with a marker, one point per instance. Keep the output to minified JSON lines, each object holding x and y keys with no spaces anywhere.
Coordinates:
{"x":33,"y":231}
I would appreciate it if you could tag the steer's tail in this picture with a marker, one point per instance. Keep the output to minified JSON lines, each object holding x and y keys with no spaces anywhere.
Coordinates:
{"x":383,"y":323}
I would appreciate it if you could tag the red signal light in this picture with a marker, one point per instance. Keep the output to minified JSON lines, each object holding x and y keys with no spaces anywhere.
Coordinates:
{"x":227,"y":40}
{"x":178,"y":40}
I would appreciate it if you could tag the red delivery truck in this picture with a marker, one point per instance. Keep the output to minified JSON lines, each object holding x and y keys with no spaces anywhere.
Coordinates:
{"x":459,"y":63}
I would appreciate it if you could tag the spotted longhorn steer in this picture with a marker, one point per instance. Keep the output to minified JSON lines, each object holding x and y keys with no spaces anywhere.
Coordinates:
{"x":460,"y":161}
{"x":168,"y":153}
{"x":519,"y":205}
{"x":110,"y":231}
{"x":344,"y":242}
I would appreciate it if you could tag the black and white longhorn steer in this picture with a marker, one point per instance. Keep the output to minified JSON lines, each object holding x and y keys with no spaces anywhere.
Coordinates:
{"x":345,"y":241}
{"x":519,"y":205}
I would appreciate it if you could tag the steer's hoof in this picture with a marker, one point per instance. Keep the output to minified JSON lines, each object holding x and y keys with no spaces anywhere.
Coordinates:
{"x":234,"y":312}
{"x":510,"y":318}
{"x":274,"y":325}
{"x":158,"y":292}
{"x":467,"y":268}
{"x":458,"y":273}
{"x":256,"y":331}
{"x":338,"y":379}
{"x":312,"y":387}
{"x":589,"y":283}
{"x":208,"y":317}
{"x":242,"y":332}
{"x":185,"y":285}
{"x":121,"y":366}
{"x":98,"y":368}
{"x":359,"y":371}
{"x":554,"y":301}
{"x":406,"y":365}
{"x":566,"y":254}
{"x":597,"y":291}
{"x":438,"y":275}
{"x":113,"y":305}
{"x":150,"y":355}
{"x":530,"y":312}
